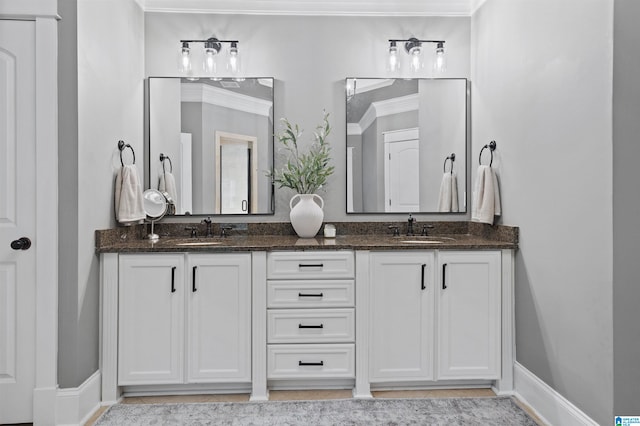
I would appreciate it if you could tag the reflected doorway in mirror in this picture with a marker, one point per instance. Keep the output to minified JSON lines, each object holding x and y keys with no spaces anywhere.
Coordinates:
{"x":236,"y":173}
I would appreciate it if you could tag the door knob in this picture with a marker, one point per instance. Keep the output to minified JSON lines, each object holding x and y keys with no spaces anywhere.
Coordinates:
{"x":21,"y":244}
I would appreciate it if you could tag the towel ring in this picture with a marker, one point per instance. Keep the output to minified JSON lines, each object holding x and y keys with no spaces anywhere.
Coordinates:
{"x":166,"y":157}
{"x":452,"y":157}
{"x":492,"y":146}
{"x":121,"y":147}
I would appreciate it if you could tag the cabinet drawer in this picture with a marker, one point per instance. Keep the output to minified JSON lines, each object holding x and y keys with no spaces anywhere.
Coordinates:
{"x":310,"y":361}
{"x":310,"y":294}
{"x":310,"y":325}
{"x":310,"y":265}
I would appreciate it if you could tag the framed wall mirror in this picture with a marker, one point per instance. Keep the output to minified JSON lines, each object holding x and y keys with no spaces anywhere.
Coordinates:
{"x":211,"y":144}
{"x":401,"y":134}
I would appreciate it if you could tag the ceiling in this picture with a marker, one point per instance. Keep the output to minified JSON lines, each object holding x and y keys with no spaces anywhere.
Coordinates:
{"x":317,"y":7}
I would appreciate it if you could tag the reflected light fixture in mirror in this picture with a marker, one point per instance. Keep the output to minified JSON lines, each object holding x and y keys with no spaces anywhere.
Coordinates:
{"x":394,"y":62}
{"x":414,"y":49}
{"x":211,"y":51}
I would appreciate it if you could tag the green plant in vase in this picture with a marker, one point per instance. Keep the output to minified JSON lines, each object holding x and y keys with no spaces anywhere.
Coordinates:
{"x":305,"y":173}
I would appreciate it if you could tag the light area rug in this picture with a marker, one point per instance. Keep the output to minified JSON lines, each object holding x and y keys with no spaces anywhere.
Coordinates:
{"x":427,"y":411}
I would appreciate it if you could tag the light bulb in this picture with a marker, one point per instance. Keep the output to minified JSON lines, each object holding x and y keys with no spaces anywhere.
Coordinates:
{"x":185,"y":58}
{"x":440,"y":63}
{"x":234,"y":60}
{"x":394,"y":64}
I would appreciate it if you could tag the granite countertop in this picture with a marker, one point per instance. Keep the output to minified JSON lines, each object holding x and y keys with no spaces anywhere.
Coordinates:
{"x":456,"y":236}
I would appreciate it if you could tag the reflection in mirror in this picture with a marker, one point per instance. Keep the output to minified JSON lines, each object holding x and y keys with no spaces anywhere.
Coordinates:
{"x":399,"y":133}
{"x":211,"y":144}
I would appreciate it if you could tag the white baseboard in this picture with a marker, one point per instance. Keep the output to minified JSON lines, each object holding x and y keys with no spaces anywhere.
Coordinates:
{"x":549,"y":405}
{"x":74,"y":406}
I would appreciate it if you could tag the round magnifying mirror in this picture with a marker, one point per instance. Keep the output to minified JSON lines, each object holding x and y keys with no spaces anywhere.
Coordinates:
{"x":155,"y":206}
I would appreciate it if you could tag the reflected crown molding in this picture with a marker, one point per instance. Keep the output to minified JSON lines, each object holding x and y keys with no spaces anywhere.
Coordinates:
{"x":381,"y":109}
{"x":200,"y":92}
{"x":314,"y":7}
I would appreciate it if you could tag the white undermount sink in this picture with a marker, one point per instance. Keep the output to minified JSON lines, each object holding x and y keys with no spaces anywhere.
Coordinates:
{"x":199,"y":243}
{"x":426,"y":240}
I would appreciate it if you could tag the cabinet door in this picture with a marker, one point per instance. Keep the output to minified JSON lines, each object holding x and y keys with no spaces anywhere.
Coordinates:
{"x":469,"y":315}
{"x":401,"y":320}
{"x":219,"y":317}
{"x":151,"y":319}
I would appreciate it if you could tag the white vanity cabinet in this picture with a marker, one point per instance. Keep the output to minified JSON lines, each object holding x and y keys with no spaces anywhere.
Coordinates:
{"x":401,"y":316}
{"x":184,"y":318}
{"x":151,"y":319}
{"x":435,"y":316}
{"x":469,"y":319}
{"x":310,"y":316}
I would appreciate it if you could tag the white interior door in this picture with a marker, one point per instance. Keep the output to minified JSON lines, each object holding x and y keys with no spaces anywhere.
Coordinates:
{"x":17,"y":220}
{"x":236,"y":173}
{"x":235,"y":177}
{"x":402,"y":176}
{"x":349,"y":179}
{"x":186,"y":172}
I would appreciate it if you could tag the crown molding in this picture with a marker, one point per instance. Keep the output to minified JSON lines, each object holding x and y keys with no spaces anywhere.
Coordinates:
{"x":199,"y":92}
{"x":382,"y":109}
{"x":313,"y":7}
{"x":475,"y":5}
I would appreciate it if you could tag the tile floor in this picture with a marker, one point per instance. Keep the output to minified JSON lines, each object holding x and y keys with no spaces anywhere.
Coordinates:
{"x":313,"y":395}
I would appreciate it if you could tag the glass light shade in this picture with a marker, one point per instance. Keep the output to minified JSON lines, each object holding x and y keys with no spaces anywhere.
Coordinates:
{"x":185,"y":58}
{"x":440,"y":62}
{"x":393,"y":64}
{"x":209,"y":63}
{"x":350,"y":88}
{"x":416,"y":59}
{"x":233,"y":65}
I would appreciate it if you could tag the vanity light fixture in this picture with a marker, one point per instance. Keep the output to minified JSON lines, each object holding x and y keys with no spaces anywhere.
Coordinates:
{"x":414,"y":48}
{"x":212,"y":47}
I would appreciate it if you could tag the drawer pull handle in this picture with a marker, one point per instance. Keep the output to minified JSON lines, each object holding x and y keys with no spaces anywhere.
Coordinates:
{"x":310,"y":265}
{"x":423,"y":287}
{"x":310,"y":326}
{"x":302,"y":363}
{"x":173,"y":279}
{"x":310,"y":294}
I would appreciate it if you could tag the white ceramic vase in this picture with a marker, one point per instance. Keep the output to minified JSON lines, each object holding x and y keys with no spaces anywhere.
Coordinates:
{"x":306,"y":215}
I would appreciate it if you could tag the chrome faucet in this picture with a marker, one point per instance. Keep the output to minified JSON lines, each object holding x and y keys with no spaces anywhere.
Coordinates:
{"x":410,"y":223}
{"x":207,"y":222}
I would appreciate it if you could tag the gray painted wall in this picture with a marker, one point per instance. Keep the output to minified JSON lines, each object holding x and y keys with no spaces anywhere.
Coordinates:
{"x":442,"y":102}
{"x":305,"y":85}
{"x":626,"y":208}
{"x":68,"y":334}
{"x":109,"y":107}
{"x":542,"y":89}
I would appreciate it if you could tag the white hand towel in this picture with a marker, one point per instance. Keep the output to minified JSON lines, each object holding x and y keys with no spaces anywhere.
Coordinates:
{"x":167,"y":184}
{"x":448,"y":201}
{"x":128,"y":196}
{"x":486,"y":196}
